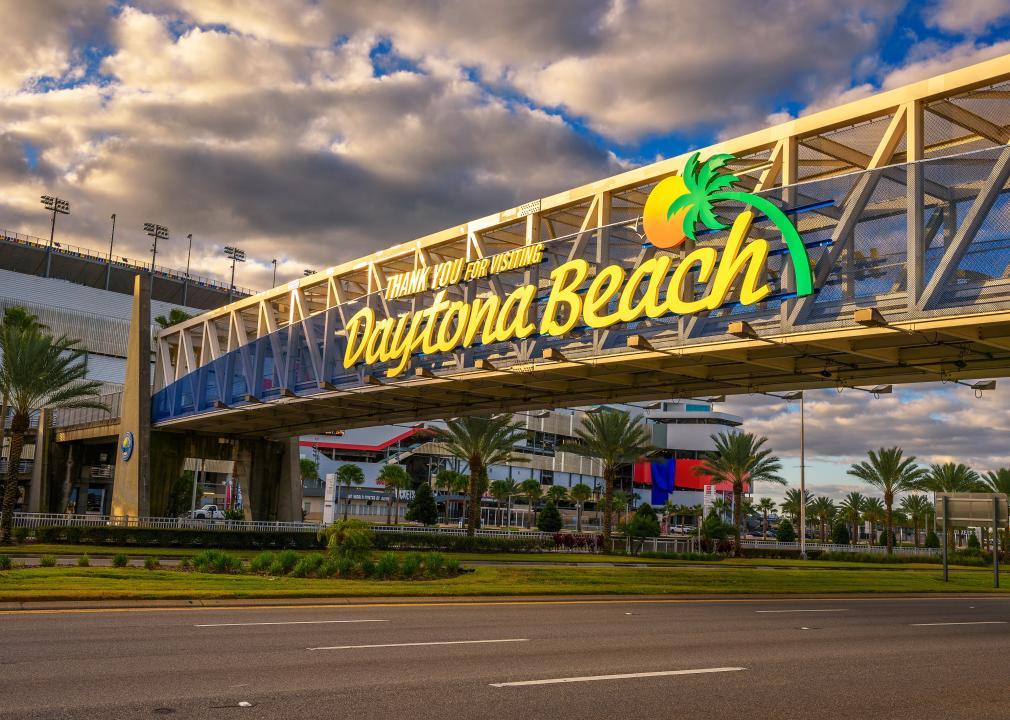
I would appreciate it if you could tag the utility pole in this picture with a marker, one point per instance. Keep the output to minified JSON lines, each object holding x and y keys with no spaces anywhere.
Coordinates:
{"x":273,"y":283}
{"x":112,"y":239}
{"x":57,"y":207}
{"x":803,"y":481}
{"x":189,"y":253}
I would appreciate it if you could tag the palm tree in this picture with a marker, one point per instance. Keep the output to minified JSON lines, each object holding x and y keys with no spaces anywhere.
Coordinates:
{"x":621,"y":502}
{"x":951,"y":478}
{"x":890,"y":472}
{"x":917,"y":508}
{"x":16,"y":317}
{"x":852,"y":510}
{"x":766,"y":506}
{"x":557,"y":493}
{"x":174,"y":317}
{"x":454,"y":483}
{"x":998,"y":481}
{"x":533,"y":491}
{"x":701,"y":189}
{"x":823,"y":508}
{"x":349,"y":474}
{"x":874,"y":513}
{"x":482,"y":441}
{"x":616,"y":438}
{"x":580,"y":494}
{"x":740,"y":457}
{"x":791,"y":504}
{"x":37,"y":371}
{"x":395,"y":478}
{"x":503,"y":491}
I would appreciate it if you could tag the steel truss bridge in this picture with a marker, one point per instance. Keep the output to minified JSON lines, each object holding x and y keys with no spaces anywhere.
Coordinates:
{"x":901,"y":200}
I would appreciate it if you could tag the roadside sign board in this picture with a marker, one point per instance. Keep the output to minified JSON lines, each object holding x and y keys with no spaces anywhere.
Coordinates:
{"x":971,"y":509}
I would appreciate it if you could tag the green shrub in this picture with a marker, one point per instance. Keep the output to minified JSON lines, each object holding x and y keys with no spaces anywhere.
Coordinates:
{"x":709,"y":557}
{"x":345,"y":567}
{"x":452,"y":567}
{"x":262,"y":562}
{"x":185,"y":564}
{"x":216,"y":561}
{"x":349,"y":538}
{"x":120,"y":560}
{"x":367,"y":567}
{"x":412,"y":565}
{"x":329,"y":568}
{"x":84,"y":561}
{"x":221,"y":538}
{"x":973,"y":543}
{"x":785,"y":531}
{"x":284,"y":562}
{"x":308,"y":566}
{"x":388,"y":567}
{"x":519,"y":542}
{"x":5,"y":562}
{"x":422,"y":508}
{"x":931,"y":541}
{"x":434,"y":565}
{"x":47,"y":561}
{"x":840,"y":534}
{"x":151,"y":563}
{"x":550,"y":518}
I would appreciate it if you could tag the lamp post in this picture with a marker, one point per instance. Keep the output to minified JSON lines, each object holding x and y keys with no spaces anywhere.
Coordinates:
{"x":57,"y":207}
{"x":185,"y":285}
{"x":273,"y":282}
{"x":236,"y":255}
{"x":158,"y":232}
{"x":112,"y":239}
{"x":308,"y":272}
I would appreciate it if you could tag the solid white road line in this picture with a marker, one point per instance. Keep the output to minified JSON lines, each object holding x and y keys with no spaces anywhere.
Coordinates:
{"x":771,"y":612}
{"x":291,"y":622}
{"x":973,"y":622}
{"x":419,"y":644}
{"x":592,"y":678}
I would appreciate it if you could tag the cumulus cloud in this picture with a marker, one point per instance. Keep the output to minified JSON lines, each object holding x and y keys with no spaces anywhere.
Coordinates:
{"x":959,"y":16}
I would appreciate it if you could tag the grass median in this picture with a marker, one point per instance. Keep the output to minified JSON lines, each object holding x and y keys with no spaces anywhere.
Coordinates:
{"x":34,"y":584}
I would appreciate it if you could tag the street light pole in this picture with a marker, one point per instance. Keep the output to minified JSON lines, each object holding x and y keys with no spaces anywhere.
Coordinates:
{"x":236,"y":255}
{"x":803,"y":482}
{"x":189,"y":253}
{"x":158,"y":232}
{"x":112,"y":239}
{"x":273,"y":283}
{"x":56,"y":206}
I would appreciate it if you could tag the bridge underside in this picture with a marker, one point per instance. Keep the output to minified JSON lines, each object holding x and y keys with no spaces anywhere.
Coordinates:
{"x":902,"y":201}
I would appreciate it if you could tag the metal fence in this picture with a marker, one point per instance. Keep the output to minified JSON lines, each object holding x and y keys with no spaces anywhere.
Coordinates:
{"x":829,"y":547}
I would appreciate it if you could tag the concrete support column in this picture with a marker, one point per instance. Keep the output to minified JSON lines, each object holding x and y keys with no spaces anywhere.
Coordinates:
{"x":242,"y":473}
{"x":289,"y":492}
{"x":37,"y":488}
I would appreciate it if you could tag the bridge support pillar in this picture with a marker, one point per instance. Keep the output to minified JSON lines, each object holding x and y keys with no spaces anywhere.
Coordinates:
{"x":289,"y":492}
{"x":131,"y":486}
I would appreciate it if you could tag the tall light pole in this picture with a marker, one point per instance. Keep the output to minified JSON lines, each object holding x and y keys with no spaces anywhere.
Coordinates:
{"x":112,"y":239}
{"x":57,"y":207}
{"x":273,"y":283}
{"x":236,"y":255}
{"x":803,"y":481}
{"x":158,"y":232}
{"x":185,"y":284}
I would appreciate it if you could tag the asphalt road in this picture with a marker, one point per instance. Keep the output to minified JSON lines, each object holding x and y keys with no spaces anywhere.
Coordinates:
{"x":848,"y":657}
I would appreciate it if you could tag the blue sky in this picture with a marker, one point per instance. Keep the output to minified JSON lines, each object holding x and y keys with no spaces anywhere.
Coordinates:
{"x":315,"y":132}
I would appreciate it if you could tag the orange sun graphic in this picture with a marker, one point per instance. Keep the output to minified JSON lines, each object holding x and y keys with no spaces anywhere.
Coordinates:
{"x":661,"y":232}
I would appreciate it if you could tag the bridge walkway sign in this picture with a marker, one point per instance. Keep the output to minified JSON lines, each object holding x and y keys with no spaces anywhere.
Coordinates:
{"x":972,"y":510}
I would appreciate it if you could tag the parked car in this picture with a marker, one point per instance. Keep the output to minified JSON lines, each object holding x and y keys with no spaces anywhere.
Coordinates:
{"x":206,"y":512}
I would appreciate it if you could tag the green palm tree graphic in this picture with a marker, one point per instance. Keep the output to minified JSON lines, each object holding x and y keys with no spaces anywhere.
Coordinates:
{"x":706,"y":186}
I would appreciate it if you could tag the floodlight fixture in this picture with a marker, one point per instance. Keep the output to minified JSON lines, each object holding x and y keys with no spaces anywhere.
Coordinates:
{"x":236,"y":255}
{"x":306,"y":272}
{"x":157,"y":232}
{"x":57,"y":206}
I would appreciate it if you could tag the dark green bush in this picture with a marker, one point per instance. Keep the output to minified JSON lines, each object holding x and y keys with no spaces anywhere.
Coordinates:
{"x":345,"y":567}
{"x":840,"y":534}
{"x":47,"y":561}
{"x":520,"y":542}
{"x":262,"y":562}
{"x":120,"y":560}
{"x":349,"y":538}
{"x":683,"y":556}
{"x":84,"y":561}
{"x":216,"y":561}
{"x":180,"y":538}
{"x":329,"y":568}
{"x":422,"y":508}
{"x":931,"y":541}
{"x":308,"y":566}
{"x":452,"y":567}
{"x":367,"y":567}
{"x":5,"y":562}
{"x":284,"y":562}
{"x":434,"y":565}
{"x":973,"y":543}
{"x":412,"y":565}
{"x":785,"y":531}
{"x":550,"y":518}
{"x":388,"y":567}
{"x":152,"y":563}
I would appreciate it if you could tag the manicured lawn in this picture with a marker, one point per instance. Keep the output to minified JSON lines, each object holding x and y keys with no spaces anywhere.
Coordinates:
{"x":105,"y":583}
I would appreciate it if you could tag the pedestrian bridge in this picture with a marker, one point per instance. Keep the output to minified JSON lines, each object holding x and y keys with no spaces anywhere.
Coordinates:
{"x":864,"y":245}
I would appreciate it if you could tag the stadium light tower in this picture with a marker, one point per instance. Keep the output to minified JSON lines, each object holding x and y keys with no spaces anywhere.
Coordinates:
{"x":236,"y":255}
{"x":306,"y":272}
{"x":158,"y":232}
{"x":185,"y":283}
{"x":57,"y":207}
{"x":112,"y":240}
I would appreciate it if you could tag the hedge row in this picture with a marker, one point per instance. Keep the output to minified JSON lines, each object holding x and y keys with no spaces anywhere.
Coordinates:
{"x":237,"y":540}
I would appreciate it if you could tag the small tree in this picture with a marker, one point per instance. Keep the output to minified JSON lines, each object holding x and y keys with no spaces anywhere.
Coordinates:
{"x":786,"y":532}
{"x":714,"y":529}
{"x":840,"y":533}
{"x":394,"y":478}
{"x":973,"y":543}
{"x":422,"y":508}
{"x":352,"y":539}
{"x":533,"y":491}
{"x":932,"y":540}
{"x":643,"y":524}
{"x":550,"y":518}
{"x":309,"y":469}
